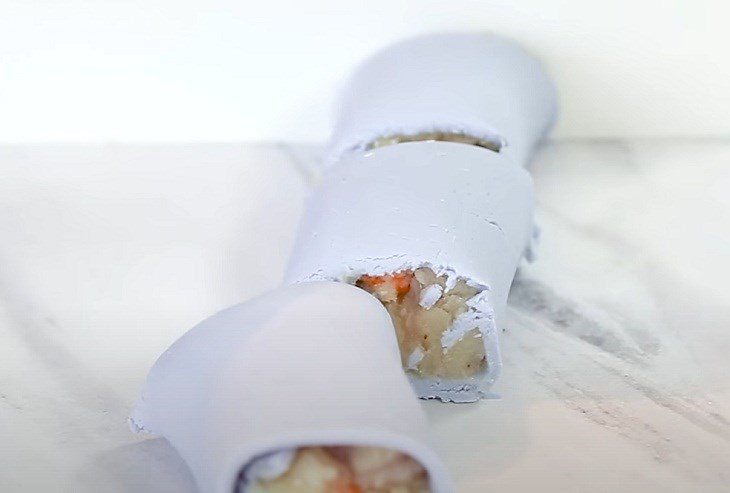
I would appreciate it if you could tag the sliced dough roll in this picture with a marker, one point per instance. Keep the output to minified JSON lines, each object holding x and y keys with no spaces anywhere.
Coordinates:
{"x":280,"y":394}
{"x":435,"y":230}
{"x":469,"y":87}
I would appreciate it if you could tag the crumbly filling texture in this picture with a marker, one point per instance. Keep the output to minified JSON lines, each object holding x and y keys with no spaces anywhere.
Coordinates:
{"x":423,"y":309}
{"x":348,"y":469}
{"x":439,"y":136}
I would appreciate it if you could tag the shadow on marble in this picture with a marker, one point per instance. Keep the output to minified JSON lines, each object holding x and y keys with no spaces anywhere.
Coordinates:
{"x":150,"y":466}
{"x":585,"y":360}
{"x":499,"y":447}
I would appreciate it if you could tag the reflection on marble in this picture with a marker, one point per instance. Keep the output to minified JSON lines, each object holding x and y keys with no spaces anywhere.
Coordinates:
{"x":616,"y":344}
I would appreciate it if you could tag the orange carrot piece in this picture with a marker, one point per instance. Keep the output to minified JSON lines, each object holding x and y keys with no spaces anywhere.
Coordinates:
{"x":372,"y":280}
{"x":403,"y":282}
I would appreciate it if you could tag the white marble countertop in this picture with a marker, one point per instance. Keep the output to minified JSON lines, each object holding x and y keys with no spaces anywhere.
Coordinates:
{"x":617,"y":351}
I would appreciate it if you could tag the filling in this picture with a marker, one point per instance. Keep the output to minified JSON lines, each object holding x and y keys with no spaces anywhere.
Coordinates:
{"x":424,"y":309}
{"x":346,"y":470}
{"x":439,"y":136}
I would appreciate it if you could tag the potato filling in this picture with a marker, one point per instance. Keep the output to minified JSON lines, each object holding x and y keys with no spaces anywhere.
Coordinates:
{"x":439,"y":136}
{"x":348,"y":470}
{"x":422,"y":311}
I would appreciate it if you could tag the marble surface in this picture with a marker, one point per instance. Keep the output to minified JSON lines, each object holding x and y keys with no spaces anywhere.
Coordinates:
{"x":616,"y":349}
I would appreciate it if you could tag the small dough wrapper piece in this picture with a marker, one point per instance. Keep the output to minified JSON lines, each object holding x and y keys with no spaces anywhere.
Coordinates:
{"x":427,"y":171}
{"x":292,"y":368}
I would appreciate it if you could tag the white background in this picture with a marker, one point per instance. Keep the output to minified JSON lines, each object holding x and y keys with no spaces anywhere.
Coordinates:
{"x":163,"y":70}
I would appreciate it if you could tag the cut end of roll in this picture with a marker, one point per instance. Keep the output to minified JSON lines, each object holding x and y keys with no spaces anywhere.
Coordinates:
{"x":493,"y":143}
{"x":334,"y":469}
{"x":441,"y":324}
{"x":437,"y":325}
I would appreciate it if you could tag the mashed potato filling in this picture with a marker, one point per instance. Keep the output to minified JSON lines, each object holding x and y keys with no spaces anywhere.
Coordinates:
{"x":347,"y":469}
{"x":423,"y":309}
{"x":459,"y":138}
